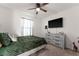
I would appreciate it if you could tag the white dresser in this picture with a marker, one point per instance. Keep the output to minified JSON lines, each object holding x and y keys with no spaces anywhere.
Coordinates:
{"x":57,"y":39}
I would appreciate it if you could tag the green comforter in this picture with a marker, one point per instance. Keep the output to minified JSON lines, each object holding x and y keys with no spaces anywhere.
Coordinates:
{"x":23,"y":44}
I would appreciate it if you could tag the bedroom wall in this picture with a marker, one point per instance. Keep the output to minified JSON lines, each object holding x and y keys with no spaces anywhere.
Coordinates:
{"x":11,"y":21}
{"x":70,"y":23}
{"x":17,"y":22}
{"x":37,"y":27}
{"x":5,"y":19}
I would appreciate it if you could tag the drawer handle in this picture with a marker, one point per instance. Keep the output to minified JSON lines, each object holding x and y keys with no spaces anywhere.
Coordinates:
{"x":57,"y":40}
{"x":57,"y":36}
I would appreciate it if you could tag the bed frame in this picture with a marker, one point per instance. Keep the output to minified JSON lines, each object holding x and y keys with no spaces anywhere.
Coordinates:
{"x":32,"y":51}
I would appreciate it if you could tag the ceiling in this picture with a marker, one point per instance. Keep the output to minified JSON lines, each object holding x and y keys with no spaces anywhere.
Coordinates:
{"x":53,"y":8}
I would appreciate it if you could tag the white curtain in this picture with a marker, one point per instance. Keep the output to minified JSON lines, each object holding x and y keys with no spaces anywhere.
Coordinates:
{"x":27,"y":27}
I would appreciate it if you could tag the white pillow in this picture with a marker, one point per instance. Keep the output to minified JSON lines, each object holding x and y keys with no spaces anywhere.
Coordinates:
{"x":14,"y":39}
{"x":0,"y":44}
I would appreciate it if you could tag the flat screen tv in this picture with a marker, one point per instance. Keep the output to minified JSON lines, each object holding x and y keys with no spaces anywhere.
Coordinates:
{"x":55,"y":23}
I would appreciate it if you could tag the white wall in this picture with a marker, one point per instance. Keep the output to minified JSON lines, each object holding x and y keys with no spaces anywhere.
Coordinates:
{"x":17,"y":22}
{"x":37,"y":27}
{"x":5,"y":19}
{"x":70,"y":23}
{"x":11,"y":21}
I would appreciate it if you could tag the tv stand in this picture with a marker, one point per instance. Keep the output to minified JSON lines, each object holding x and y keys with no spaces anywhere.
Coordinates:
{"x":56,"y":39}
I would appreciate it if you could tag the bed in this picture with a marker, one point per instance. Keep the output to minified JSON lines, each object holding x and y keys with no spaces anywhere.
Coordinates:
{"x":25,"y":44}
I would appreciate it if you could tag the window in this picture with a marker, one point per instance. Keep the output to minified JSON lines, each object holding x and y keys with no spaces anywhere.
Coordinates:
{"x":27,"y":27}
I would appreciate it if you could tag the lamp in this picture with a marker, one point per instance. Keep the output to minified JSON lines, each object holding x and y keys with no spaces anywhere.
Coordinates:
{"x":46,"y":27}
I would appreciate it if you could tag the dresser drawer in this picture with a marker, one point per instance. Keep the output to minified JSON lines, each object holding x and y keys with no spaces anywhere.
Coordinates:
{"x":59,"y":41}
{"x":57,"y":44}
{"x":56,"y":39}
{"x":48,"y":35}
{"x":59,"y":38}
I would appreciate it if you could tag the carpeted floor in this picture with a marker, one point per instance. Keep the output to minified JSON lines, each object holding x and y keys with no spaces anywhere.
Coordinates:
{"x":51,"y":50}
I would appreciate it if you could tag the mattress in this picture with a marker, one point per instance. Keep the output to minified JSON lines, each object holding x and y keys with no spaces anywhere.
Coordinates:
{"x":24,"y":44}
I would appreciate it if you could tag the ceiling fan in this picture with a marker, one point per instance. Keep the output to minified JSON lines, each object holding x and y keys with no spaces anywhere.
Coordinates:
{"x":39,"y":7}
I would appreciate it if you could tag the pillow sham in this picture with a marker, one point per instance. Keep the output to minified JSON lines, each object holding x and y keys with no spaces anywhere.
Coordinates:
{"x":14,"y":39}
{"x":0,"y":44}
{"x":5,"y":39}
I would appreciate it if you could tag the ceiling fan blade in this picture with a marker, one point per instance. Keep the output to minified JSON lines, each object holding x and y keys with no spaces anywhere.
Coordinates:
{"x":31,"y":8}
{"x":36,"y":12}
{"x":44,"y":4}
{"x":43,"y":10}
{"x":38,"y":5}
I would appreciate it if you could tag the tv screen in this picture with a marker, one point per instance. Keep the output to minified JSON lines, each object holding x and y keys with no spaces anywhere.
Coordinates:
{"x":56,"y":23}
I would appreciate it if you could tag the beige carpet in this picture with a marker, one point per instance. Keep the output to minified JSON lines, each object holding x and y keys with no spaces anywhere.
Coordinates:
{"x":51,"y":50}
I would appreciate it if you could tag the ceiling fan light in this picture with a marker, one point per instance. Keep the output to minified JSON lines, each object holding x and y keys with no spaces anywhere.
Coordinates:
{"x":37,"y":9}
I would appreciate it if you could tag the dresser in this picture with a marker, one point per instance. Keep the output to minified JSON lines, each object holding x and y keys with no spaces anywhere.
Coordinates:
{"x":57,"y":39}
